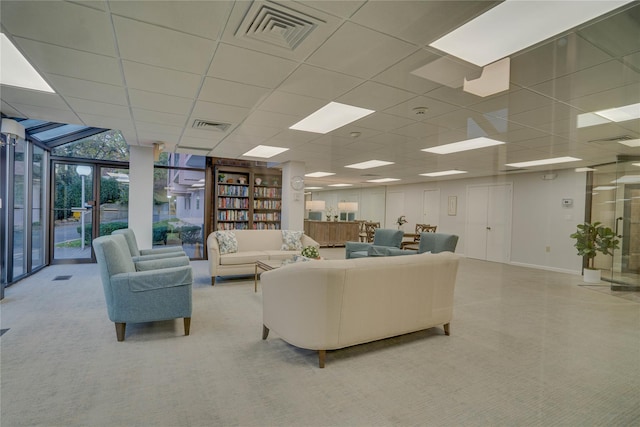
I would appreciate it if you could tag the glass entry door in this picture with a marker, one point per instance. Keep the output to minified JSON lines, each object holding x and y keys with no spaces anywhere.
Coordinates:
{"x":89,"y":200}
{"x":626,"y":260}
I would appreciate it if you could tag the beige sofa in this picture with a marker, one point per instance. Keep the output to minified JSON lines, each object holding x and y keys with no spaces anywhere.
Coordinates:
{"x":253,"y":245}
{"x":327,"y":305}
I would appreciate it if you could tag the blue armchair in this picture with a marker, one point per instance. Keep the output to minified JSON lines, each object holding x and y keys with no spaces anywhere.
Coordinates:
{"x":140,"y":292}
{"x":385,"y":242}
{"x":168,"y":252}
{"x":437,"y":242}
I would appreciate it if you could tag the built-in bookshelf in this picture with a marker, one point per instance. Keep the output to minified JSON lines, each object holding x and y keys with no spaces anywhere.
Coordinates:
{"x":247,"y":198}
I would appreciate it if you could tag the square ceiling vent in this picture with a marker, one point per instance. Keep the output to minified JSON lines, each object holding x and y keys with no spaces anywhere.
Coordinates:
{"x":208,"y":125}
{"x":277,"y":25}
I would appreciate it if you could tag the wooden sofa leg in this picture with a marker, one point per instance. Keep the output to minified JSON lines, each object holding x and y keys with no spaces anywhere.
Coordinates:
{"x":265,"y":332}
{"x":322,"y":355}
{"x":187,"y":325}
{"x":447,"y":329}
{"x":120,"y":328}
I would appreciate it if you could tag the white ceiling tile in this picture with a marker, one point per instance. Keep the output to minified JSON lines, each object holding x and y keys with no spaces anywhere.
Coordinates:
{"x":413,"y":108}
{"x":201,"y":18}
{"x":160,"y":102}
{"x":318,"y":83}
{"x":419,"y":22}
{"x":101,"y":121}
{"x":48,"y":113}
{"x":162,"y":47}
{"x":342,"y":9}
{"x":158,"y":128}
{"x":375,"y":96}
{"x":248,"y":66}
{"x":292,"y":104}
{"x":212,"y":111}
{"x":158,"y":117}
{"x":418,"y":130}
{"x":188,"y":141}
{"x":160,"y":80}
{"x":15,"y":95}
{"x":383,"y":122}
{"x":60,"y":23}
{"x":268,"y":118}
{"x":210,"y":135}
{"x":67,"y":86}
{"x":359,"y":51}
{"x":99,"y":108}
{"x":71,"y":63}
{"x":232,"y":93}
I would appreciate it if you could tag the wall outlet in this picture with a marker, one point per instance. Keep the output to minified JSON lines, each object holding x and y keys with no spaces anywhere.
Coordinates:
{"x":547,"y":249}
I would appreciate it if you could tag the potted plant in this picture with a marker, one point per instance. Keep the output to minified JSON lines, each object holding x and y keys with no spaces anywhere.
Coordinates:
{"x":591,"y":239}
{"x":311,"y":252}
{"x":402,"y":220}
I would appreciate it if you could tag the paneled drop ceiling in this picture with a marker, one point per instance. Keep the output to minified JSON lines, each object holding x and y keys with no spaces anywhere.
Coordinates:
{"x":153,"y":68}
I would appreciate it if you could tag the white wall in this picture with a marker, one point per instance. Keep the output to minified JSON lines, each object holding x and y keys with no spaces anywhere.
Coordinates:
{"x":541,"y":225}
{"x":292,"y":200}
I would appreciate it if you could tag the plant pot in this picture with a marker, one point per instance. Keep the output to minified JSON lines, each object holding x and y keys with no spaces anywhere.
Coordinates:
{"x":591,"y":276}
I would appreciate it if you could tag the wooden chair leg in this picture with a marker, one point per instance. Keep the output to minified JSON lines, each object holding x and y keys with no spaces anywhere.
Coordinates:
{"x":265,"y":332}
{"x":187,"y":325}
{"x":447,"y":329}
{"x":322,"y":355}
{"x":120,"y":328}
{"x":213,"y":281}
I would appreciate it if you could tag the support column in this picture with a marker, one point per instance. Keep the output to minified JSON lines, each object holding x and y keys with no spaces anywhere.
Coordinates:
{"x":292,"y":200}
{"x":141,"y":194}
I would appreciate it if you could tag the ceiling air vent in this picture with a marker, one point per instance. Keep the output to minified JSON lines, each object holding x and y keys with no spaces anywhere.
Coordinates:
{"x":215,"y":126}
{"x":276,"y":25}
{"x":513,"y":170}
{"x":614,"y":139}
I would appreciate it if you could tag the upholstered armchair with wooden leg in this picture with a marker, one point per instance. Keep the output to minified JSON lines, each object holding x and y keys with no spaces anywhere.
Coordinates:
{"x":147,"y":295}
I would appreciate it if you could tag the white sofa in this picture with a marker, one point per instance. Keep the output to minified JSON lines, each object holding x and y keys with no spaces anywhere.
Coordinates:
{"x":327,"y":305}
{"x":253,"y":245}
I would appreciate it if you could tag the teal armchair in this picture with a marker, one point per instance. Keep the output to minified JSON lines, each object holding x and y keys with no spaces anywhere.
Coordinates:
{"x":130,"y":237}
{"x":437,"y":242}
{"x":386,"y":242}
{"x":141,"y":292}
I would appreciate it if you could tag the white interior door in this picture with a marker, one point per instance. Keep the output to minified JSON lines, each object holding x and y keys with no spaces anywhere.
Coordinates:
{"x":476,"y":229}
{"x":488,"y":230}
{"x":431,"y":207}
{"x":395,"y":208}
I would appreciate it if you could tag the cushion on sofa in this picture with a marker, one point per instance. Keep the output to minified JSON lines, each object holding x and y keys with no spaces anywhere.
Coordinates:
{"x":246,"y":257}
{"x":292,"y":240}
{"x":227,"y":241}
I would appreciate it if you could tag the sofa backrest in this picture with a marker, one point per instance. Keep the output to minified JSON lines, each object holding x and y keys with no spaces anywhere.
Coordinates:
{"x":258,"y":240}
{"x":131,"y":240}
{"x":437,"y":242}
{"x":388,"y":237}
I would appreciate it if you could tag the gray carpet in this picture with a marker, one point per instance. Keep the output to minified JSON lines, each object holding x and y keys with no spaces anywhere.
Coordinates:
{"x":528,"y":348}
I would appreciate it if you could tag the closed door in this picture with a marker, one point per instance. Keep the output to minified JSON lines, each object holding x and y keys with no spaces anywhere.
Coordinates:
{"x":488,"y":230}
{"x":431,"y":207}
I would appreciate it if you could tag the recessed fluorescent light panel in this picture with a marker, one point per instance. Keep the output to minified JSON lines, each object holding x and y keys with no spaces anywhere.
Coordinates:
{"x":631,"y":143}
{"x":585,"y":169}
{"x":340,"y":185}
{"x":318,"y":174}
{"x":264,"y":151}
{"x":369,"y":164}
{"x":16,"y":70}
{"x":627,"y":179}
{"x":635,"y":164}
{"x":470,"y":144}
{"x":313,"y":188}
{"x":380,"y":180}
{"x":605,"y":187}
{"x":542,"y":162}
{"x":618,"y":114}
{"x":443,"y":173}
{"x":332,"y":116}
{"x":514,"y":25}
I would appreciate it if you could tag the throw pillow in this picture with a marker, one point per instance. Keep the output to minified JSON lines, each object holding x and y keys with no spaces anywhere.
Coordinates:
{"x":227,"y":242}
{"x":292,"y":240}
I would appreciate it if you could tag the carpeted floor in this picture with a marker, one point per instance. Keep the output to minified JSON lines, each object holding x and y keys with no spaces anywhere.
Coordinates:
{"x":528,"y":348}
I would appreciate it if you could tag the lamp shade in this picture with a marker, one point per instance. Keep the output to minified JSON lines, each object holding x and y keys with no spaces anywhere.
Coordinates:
{"x":348,"y":206}
{"x":12,"y":128}
{"x":315,"y":205}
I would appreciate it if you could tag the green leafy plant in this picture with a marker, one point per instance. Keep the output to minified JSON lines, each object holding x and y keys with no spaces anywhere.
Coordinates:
{"x":401,"y":220}
{"x":311,"y":252}
{"x":594,"y":238}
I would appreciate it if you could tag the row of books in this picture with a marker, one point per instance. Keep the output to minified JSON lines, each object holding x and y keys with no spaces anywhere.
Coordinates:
{"x":233,"y":190}
{"x":233,"y":203}
{"x":275,"y":216}
{"x":267,"y":204}
{"x":267,"y":192}
{"x":233,"y":215}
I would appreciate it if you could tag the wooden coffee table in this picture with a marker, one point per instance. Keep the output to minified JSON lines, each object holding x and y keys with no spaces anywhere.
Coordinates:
{"x":265,"y":265}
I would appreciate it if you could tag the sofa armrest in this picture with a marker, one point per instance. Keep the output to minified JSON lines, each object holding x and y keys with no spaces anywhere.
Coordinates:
{"x":156,"y":264}
{"x":308,"y":241}
{"x":158,"y":256}
{"x":355,"y":247}
{"x":158,"y":251}
{"x":150,"y":280}
{"x":213,"y":254}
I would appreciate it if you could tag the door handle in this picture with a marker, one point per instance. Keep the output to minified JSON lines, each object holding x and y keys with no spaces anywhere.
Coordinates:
{"x":617,"y":220}
{"x":488,"y":228}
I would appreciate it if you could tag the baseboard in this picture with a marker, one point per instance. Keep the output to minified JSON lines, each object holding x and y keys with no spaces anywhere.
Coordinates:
{"x":544,"y":267}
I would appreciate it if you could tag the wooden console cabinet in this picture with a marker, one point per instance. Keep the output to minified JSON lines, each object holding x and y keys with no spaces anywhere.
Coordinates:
{"x":329,"y":233}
